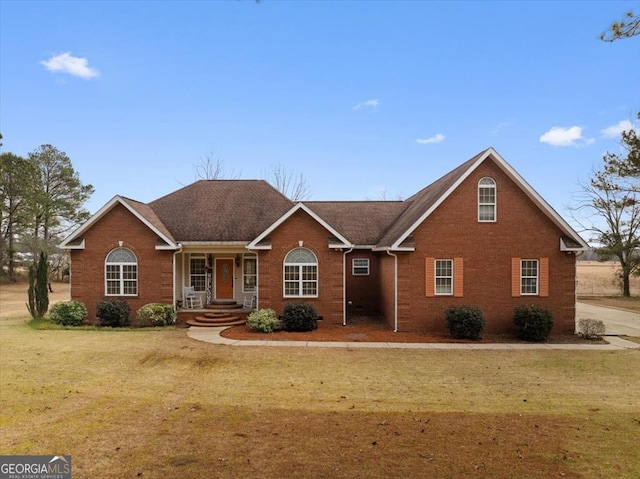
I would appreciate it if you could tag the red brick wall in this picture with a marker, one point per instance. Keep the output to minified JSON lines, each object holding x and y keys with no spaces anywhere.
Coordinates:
{"x":452,"y":231}
{"x":363,"y":291}
{"x":301,"y":227}
{"x":155,"y":268}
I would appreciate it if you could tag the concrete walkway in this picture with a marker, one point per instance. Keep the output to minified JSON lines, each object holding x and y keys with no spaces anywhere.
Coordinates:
{"x":616,"y":321}
{"x":212,"y":335}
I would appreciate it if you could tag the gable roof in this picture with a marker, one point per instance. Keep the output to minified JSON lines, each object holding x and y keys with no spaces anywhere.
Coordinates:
{"x":361,"y":222}
{"x":215,"y":211}
{"x":245,"y":212}
{"x":425,"y":201}
{"x":139,"y":210}
{"x":260,"y":243}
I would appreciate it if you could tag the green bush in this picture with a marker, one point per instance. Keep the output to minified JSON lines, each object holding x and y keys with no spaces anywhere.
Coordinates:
{"x":113,"y":312}
{"x":299,"y":317}
{"x":264,"y":321}
{"x":68,"y":313}
{"x":533,"y":323}
{"x":465,"y":322}
{"x":155,"y":314}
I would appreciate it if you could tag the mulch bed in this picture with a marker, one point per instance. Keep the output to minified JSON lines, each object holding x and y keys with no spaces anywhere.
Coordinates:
{"x":372,"y":330}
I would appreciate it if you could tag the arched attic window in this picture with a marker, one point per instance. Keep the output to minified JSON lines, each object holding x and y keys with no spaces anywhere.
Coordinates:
{"x":300,"y":274}
{"x":487,"y":200}
{"x":121,"y":273}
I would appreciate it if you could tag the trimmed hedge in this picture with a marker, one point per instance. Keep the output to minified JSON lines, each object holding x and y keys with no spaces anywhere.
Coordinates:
{"x":264,"y":321}
{"x":533,"y":322}
{"x":68,"y":313}
{"x":113,"y":312}
{"x":465,"y":322}
{"x":299,"y":317}
{"x":155,"y":314}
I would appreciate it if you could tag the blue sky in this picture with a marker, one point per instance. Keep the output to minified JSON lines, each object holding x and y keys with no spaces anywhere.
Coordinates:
{"x":360,"y":97}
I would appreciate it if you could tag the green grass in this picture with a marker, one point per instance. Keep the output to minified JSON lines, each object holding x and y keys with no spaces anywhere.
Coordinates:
{"x":156,"y":403}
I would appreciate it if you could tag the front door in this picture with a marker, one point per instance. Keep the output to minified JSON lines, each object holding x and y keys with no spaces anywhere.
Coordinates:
{"x":224,"y":278}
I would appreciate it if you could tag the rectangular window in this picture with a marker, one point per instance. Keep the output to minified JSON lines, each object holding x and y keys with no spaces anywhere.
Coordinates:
{"x":529,"y":277}
{"x":444,"y":276}
{"x":122,"y":279}
{"x":360,"y":267}
{"x":300,"y":280}
{"x":249,"y":274}
{"x":198,"y":273}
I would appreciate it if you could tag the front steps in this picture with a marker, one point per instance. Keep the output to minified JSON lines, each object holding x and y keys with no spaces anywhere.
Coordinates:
{"x":213,"y":319}
{"x":226,"y":304}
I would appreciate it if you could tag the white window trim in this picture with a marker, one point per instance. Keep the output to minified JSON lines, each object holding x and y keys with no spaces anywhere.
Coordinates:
{"x":204,"y":275}
{"x":244,"y":272}
{"x":494,"y":203}
{"x":121,"y":279}
{"x":536,"y":277}
{"x":362,"y":266}
{"x":436,"y":277}
{"x":300,"y":280}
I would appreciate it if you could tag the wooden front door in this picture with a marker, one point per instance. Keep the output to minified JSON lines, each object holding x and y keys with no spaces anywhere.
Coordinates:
{"x":224,"y":278}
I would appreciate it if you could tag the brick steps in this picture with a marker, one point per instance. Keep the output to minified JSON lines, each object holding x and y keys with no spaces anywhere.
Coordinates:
{"x":217,"y":304}
{"x":216,"y":319}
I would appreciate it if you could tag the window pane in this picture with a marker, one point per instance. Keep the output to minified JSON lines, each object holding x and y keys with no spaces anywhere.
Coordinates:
{"x":486,"y":212}
{"x":309,"y":288}
{"x":529,"y":277}
{"x":444,"y":286}
{"x":113,"y":287}
{"x":291,"y":288}
{"x":291,"y":273}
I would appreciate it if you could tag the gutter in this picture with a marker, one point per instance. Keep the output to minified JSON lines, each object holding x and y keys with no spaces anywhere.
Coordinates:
{"x":395,"y":290}
{"x":344,"y":286}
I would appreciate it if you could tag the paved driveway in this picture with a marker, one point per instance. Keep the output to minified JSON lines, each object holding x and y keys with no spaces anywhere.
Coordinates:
{"x":616,"y":321}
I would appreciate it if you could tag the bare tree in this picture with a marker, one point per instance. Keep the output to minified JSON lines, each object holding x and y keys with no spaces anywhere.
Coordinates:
{"x":211,"y":167}
{"x":612,"y":206}
{"x":294,"y":187}
{"x":628,"y":27}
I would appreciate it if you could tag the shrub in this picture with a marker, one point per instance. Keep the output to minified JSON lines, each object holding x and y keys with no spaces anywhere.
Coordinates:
{"x":465,"y":322}
{"x":68,"y":313}
{"x":113,"y":312}
{"x":264,"y":321}
{"x":533,"y":323}
{"x":155,"y":314}
{"x":591,"y":328}
{"x":299,"y":317}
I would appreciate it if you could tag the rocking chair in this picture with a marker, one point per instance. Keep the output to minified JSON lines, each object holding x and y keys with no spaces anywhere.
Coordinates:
{"x":191,"y":299}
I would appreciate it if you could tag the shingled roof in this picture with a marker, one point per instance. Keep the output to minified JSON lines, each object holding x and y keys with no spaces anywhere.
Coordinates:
{"x":362,"y":222}
{"x":423,"y":201}
{"x":244,"y":211}
{"x":221,"y":210}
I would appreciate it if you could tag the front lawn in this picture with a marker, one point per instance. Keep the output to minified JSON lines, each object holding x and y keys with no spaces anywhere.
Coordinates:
{"x":157,"y":404}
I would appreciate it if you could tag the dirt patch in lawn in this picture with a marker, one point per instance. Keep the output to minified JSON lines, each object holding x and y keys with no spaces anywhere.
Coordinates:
{"x":366,"y":329}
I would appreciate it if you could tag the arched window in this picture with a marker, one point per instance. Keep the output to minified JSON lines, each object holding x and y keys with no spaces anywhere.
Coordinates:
{"x":487,"y":200}
{"x":300,"y":274}
{"x":121,"y":273}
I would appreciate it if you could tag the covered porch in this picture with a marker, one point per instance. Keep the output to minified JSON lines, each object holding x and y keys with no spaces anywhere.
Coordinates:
{"x":214,"y":282}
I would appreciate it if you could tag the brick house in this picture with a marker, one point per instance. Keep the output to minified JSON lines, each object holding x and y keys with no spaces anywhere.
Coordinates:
{"x":478,"y":236}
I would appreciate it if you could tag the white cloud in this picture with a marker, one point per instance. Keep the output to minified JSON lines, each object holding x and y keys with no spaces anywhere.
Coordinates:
{"x":367,"y":104}
{"x":615,"y":131}
{"x":434,"y":139}
{"x":501,"y":126}
{"x":66,"y":63}
{"x":572,"y":136}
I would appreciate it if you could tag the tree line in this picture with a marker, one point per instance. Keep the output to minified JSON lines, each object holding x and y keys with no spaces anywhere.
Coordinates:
{"x":41,"y":199}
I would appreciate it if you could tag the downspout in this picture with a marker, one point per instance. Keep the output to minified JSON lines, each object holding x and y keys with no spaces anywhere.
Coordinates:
{"x":176,"y":252}
{"x":395,"y":290}
{"x":344,"y":286}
